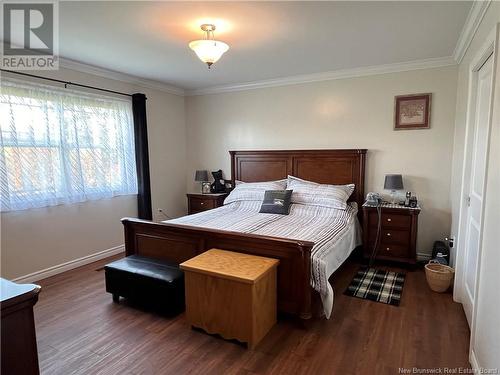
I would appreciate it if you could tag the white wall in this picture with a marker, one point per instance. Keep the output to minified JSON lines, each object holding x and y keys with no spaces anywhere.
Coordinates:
{"x":491,"y":17}
{"x":345,"y":113}
{"x":34,"y":240}
{"x":486,"y":336}
{"x":485,"y":342}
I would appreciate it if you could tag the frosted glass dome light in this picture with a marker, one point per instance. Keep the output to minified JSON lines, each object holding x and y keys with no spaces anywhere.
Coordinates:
{"x":208,"y":50}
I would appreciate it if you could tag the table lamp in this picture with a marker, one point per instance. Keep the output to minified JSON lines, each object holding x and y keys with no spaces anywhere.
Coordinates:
{"x":393,"y":182}
{"x":201,"y":176}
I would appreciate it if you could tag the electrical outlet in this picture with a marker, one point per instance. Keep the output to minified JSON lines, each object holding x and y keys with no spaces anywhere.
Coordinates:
{"x":162,"y":212}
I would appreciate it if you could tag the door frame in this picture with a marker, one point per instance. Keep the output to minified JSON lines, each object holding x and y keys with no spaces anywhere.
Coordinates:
{"x":487,"y":50}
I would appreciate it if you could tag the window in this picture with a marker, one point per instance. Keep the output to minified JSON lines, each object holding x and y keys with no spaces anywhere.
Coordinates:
{"x":62,"y":146}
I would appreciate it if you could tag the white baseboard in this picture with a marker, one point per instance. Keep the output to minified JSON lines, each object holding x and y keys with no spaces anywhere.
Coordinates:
{"x":63,"y":267}
{"x":474,"y":363}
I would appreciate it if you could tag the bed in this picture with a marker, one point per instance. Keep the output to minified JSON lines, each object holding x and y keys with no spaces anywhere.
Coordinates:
{"x":307,"y":258}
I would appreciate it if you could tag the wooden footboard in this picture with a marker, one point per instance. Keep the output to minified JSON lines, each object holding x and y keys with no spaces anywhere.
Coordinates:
{"x":177,"y":243}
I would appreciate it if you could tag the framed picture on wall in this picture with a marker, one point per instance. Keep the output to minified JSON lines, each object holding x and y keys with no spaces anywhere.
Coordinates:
{"x":412,"y":111}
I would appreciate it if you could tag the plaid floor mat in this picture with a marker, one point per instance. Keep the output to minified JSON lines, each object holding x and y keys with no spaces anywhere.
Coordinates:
{"x":377,"y":285}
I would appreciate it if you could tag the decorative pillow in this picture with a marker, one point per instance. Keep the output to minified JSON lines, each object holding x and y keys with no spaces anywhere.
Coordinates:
{"x":311,"y":193}
{"x":276,"y":202}
{"x":253,"y":191}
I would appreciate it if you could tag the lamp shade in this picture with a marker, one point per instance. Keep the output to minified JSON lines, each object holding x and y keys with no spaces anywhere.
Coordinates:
{"x":208,"y":51}
{"x":201,"y":176}
{"x":393,"y":182}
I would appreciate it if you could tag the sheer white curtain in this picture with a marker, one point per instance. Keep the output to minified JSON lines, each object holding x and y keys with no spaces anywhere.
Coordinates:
{"x":63,"y":146}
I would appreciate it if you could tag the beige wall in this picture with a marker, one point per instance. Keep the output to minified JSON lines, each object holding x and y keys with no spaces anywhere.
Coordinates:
{"x":346,"y":113}
{"x":34,"y":240}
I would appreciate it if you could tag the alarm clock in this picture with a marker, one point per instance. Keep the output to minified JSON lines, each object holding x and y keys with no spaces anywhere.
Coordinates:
{"x":413,"y":202}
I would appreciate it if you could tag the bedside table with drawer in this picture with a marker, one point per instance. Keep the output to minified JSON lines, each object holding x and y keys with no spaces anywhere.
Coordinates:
{"x":203,"y":202}
{"x":398,"y":235}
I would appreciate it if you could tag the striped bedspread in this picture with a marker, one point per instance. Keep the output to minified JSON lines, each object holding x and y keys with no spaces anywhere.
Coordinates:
{"x":326,"y":227}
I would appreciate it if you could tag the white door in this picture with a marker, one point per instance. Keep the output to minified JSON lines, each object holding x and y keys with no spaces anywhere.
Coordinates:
{"x":477,"y":183}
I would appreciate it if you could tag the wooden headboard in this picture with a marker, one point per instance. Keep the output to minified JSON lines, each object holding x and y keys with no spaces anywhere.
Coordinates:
{"x":336,"y":167}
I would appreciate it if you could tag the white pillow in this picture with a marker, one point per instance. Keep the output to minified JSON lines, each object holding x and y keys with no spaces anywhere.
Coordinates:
{"x":314,"y":194}
{"x":253,"y":191}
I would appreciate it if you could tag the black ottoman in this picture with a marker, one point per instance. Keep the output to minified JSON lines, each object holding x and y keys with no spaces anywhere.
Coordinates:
{"x":148,"y":281}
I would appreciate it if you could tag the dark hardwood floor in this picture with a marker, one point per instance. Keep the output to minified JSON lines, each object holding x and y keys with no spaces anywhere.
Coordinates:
{"x":81,"y":331}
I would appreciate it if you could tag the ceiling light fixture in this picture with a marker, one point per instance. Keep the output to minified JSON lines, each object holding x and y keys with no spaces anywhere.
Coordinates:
{"x":208,"y":50}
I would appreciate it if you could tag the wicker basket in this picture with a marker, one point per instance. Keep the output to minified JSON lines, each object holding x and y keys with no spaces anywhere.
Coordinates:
{"x":438,"y":276}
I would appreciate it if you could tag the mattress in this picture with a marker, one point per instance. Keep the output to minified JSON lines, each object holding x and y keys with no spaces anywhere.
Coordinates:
{"x":335,"y":234}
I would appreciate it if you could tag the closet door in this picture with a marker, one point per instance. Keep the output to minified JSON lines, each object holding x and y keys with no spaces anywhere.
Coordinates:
{"x":475,"y":198}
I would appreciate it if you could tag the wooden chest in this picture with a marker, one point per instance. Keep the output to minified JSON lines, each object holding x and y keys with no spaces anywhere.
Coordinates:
{"x":231,"y":294}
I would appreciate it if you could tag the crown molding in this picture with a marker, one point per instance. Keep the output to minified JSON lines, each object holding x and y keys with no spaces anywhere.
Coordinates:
{"x":474,"y":18}
{"x":283,"y":81}
{"x":111,"y":74}
{"x":327,"y":76}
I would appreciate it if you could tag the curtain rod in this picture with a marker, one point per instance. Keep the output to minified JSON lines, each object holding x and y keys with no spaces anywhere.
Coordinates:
{"x":66,"y":82}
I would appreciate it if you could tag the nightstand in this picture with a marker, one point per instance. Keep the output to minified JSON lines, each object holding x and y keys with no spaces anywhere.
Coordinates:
{"x":398,"y":235}
{"x":203,"y":202}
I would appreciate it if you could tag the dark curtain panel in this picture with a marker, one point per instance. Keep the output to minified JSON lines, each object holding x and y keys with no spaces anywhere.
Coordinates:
{"x":142,"y":157}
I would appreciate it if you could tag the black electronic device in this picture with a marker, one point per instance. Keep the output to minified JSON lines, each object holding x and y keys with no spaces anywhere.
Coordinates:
{"x":218,"y":186}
